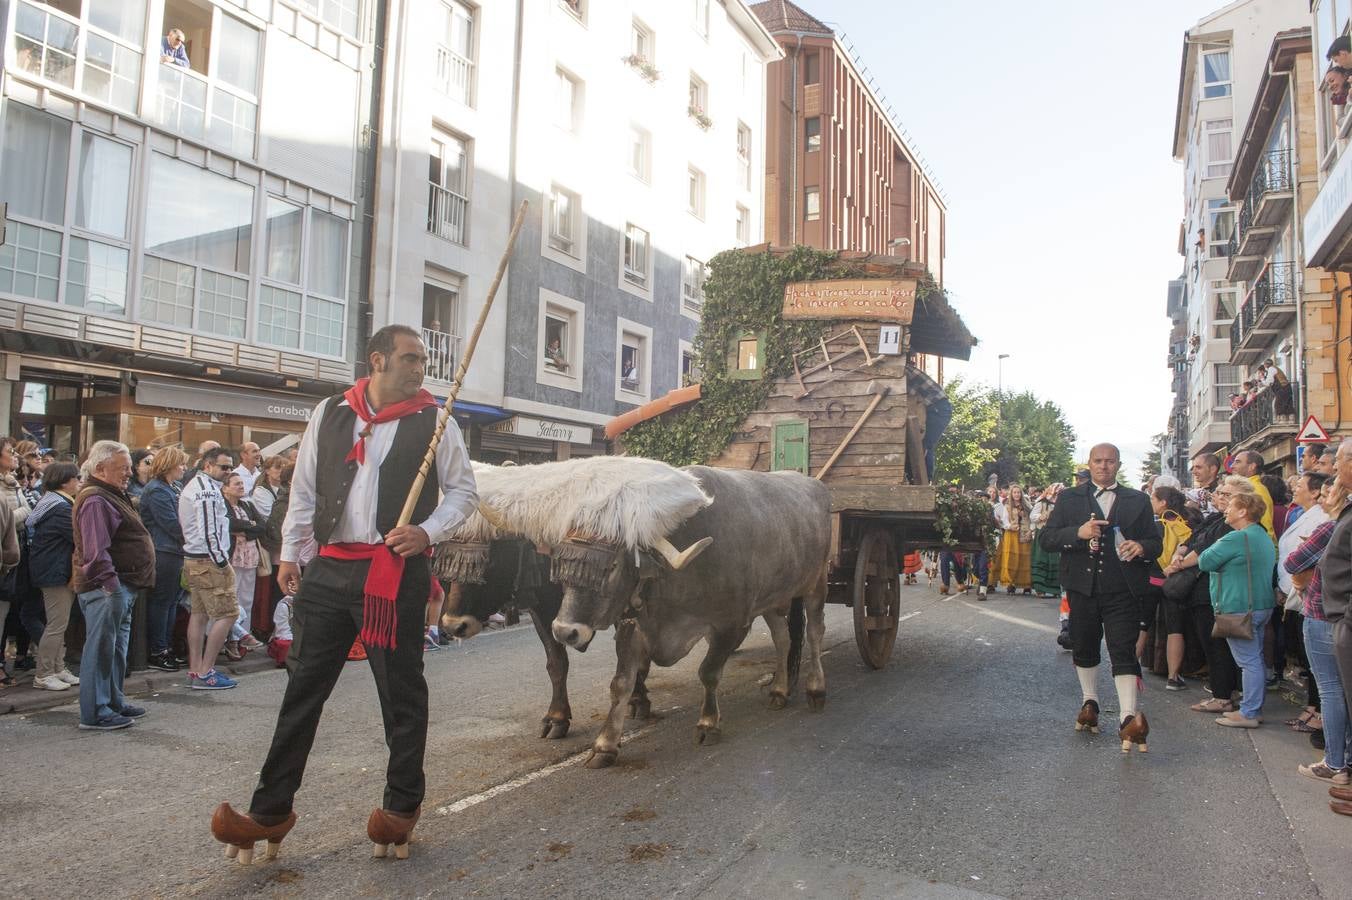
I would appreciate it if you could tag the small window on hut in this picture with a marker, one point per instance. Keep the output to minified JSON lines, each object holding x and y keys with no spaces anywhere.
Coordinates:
{"x":747,"y":359}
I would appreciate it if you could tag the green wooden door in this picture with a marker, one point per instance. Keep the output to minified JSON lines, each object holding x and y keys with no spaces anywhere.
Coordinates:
{"x":790,"y":446}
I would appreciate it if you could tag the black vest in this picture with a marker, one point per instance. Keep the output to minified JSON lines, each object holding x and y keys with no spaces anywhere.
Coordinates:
{"x":333,"y":475}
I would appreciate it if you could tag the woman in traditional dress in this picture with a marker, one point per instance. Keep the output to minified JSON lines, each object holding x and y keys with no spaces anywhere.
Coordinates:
{"x":1046,"y":580}
{"x":1016,"y":542}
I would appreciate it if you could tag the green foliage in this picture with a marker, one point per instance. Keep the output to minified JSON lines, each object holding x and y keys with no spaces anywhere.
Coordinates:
{"x":962,"y":518}
{"x":1152,"y":462}
{"x":1033,"y":441}
{"x":967,"y":450}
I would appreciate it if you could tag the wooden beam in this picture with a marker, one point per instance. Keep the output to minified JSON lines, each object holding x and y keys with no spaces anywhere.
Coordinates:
{"x":915,"y":451}
{"x":893,"y":497}
{"x":877,"y":398}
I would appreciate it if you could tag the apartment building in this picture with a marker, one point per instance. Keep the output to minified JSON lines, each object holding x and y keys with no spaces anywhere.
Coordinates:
{"x":1326,"y":231}
{"x":184,"y":252}
{"x":640,"y":145}
{"x":1223,"y":60}
{"x":841,"y":176}
{"x":1272,"y":184}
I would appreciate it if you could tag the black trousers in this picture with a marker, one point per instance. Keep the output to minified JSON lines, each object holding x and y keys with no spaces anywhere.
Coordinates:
{"x":1115,"y":617}
{"x":327,"y":615}
{"x":1223,"y":675}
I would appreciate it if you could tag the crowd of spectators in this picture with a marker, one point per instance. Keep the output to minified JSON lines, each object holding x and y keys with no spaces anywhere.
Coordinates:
{"x":1269,"y":384}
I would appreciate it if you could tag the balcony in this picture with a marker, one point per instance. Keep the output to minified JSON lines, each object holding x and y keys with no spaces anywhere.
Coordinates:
{"x":443,"y":351}
{"x":1271,"y":189}
{"x":454,"y":75}
{"x":1242,"y":266}
{"x":1271,"y":414}
{"x":1265,"y":312}
{"x":1254,"y":237}
{"x":447,"y":213}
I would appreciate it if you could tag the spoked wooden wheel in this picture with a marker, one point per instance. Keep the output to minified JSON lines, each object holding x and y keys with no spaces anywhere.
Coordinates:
{"x":877,"y":597}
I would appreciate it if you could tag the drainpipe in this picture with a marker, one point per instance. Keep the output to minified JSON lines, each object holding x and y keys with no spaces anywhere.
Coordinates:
{"x":1302,"y":401}
{"x":375,"y":186}
{"x":794,"y":188}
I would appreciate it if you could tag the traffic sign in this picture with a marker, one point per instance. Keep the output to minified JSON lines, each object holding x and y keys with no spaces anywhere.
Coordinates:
{"x":1312,"y":432}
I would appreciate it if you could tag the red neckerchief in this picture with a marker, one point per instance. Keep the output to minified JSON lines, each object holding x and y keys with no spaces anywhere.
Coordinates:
{"x":356,"y":398}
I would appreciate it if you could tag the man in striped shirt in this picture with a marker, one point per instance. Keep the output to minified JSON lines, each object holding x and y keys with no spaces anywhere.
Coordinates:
{"x":205,"y":520}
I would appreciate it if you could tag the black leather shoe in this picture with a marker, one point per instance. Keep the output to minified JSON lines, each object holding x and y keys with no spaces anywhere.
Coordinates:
{"x":1063,"y":639}
{"x":162,"y":661}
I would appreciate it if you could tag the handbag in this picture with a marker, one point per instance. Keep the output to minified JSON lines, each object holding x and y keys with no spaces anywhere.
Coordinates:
{"x":1237,"y":625}
{"x":1178,"y":587}
{"x":264,"y":562}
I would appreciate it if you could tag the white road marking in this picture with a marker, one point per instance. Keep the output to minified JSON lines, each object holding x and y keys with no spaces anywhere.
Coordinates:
{"x":1013,"y":620}
{"x":509,"y":786}
{"x":909,"y":615}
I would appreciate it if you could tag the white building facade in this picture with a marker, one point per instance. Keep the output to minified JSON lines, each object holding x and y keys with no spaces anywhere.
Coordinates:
{"x":185,"y":239}
{"x":1223,"y":58}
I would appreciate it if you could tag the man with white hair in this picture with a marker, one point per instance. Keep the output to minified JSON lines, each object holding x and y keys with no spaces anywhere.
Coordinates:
{"x":114,"y":558}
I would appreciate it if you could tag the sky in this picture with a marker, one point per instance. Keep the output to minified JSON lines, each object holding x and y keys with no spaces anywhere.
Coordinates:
{"x":1050,"y":132}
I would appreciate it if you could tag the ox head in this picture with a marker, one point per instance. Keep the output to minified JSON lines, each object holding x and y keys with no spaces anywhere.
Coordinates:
{"x":600,"y":580}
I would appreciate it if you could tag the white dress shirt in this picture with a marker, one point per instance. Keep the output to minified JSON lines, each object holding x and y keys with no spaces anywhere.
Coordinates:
{"x":1293,"y":537}
{"x":250,"y":477}
{"x":357,"y":523}
{"x":1106,"y":499}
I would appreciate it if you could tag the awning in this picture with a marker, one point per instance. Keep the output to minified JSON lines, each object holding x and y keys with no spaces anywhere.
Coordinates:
{"x":196,"y":398}
{"x":476,"y":411}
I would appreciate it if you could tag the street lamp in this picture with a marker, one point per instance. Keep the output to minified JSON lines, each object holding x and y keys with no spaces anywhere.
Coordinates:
{"x":1000,"y":376}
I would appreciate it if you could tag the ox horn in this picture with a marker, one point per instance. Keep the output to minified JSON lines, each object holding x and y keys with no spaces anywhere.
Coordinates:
{"x":679,"y":559}
{"x":493,"y":517}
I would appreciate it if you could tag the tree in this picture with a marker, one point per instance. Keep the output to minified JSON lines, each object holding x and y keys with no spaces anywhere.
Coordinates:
{"x":967,"y":450}
{"x":1151,"y":464}
{"x":1033,"y":441}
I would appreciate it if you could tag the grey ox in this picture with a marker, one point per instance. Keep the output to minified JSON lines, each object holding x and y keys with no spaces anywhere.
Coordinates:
{"x":759,"y":546}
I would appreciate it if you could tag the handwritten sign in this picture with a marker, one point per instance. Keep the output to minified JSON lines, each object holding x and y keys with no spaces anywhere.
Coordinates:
{"x":874,"y":299}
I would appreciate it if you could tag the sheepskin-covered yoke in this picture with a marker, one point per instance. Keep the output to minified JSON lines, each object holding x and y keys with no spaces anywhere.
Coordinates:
{"x":618,"y":500}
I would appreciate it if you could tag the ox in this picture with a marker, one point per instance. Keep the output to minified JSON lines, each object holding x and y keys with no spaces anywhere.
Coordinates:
{"x":758,"y":546}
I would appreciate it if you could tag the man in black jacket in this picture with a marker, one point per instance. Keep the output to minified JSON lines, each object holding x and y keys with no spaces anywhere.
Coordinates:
{"x":1106,"y":535}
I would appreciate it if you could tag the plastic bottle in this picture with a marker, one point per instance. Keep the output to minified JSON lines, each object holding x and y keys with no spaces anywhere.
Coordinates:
{"x":1118,"y":540}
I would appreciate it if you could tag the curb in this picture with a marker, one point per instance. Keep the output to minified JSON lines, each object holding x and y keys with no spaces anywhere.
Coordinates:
{"x":23,"y":698}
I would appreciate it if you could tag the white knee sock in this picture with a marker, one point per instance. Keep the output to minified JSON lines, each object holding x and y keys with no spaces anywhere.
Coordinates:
{"x":1088,"y":682}
{"x":1126,"y":694}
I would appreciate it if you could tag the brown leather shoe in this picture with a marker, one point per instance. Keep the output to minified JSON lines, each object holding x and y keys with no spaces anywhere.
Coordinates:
{"x":239,"y":833}
{"x":1088,"y":717}
{"x":1134,"y":731}
{"x":387,"y":828}
{"x":1341,"y":807}
{"x":1338,"y":792}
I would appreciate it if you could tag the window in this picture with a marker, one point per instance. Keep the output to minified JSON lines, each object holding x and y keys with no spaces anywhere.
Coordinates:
{"x":577,"y":7}
{"x":743,"y":226}
{"x":690,"y":371}
{"x":744,"y":156}
{"x":1228,"y":379}
{"x":454,"y":74}
{"x":699,"y":18}
{"x":102,"y":186}
{"x":282,"y":233}
{"x":213,"y":95}
{"x":693,"y":273}
{"x":633,"y":361}
{"x":567,"y":101}
{"x":695,"y":193}
{"x":1216,"y":143}
{"x":812,"y":72}
{"x":561,"y":358}
{"x":635,"y":256}
{"x":448,"y":188}
{"x":642,"y":42}
{"x":340,"y":15}
{"x":30,"y":261}
{"x":98,"y":53}
{"x":34,"y":164}
{"x":812,"y":204}
{"x":640,"y":154}
{"x":699,"y":97}
{"x":564,"y":221}
{"x":812,"y":131}
{"x":96,"y":276}
{"x":1227,"y":299}
{"x":308,"y":314}
{"x":746,"y":356}
{"x":1216,"y":73}
{"x":1220,"y":227}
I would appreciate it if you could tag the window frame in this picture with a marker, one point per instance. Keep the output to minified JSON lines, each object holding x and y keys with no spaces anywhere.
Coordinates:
{"x":577,"y":99}
{"x":1216,"y":248}
{"x":644,"y":335}
{"x":692,"y":291}
{"x":642,"y":288}
{"x":641,"y":37}
{"x":809,"y":193}
{"x":699,"y":20}
{"x":577,"y":257}
{"x":742,"y":226}
{"x":557,"y":305}
{"x":80,"y":58}
{"x":453,"y":56}
{"x":808,"y":136}
{"x":697,"y":192}
{"x":686,"y":350}
{"x":745,"y":151}
{"x":645,"y":142}
{"x":1211,"y":168}
{"x":442,"y":141}
{"x":698,"y":95}
{"x":1204,"y":84}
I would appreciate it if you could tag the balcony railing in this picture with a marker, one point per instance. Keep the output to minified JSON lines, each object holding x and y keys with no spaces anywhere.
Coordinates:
{"x":443,"y":352}
{"x":1273,"y":407}
{"x":454,"y":75}
{"x":1275,"y":287}
{"x":447,"y":213}
{"x":1271,"y":175}
{"x":1271,"y":302}
{"x":1237,"y":331}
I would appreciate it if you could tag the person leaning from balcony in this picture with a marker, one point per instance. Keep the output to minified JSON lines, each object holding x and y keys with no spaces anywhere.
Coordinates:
{"x":159,"y":513}
{"x":554,"y":356}
{"x":113,"y":560}
{"x":1236,"y":402}
{"x":1335,"y":83}
{"x":1248,"y":464}
{"x":173,"y":52}
{"x":51,"y":542}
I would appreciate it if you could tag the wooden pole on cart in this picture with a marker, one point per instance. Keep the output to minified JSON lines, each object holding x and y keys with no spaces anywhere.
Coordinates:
{"x":444,"y":418}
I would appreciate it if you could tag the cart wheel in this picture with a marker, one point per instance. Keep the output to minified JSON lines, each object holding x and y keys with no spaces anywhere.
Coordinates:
{"x":877,"y":597}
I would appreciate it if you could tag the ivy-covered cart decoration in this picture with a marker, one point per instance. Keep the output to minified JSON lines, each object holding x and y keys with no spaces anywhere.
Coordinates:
{"x":823,"y":362}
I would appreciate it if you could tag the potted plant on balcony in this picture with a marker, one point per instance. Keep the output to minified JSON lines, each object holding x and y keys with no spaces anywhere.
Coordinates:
{"x":700,"y":116}
{"x":644,"y":68}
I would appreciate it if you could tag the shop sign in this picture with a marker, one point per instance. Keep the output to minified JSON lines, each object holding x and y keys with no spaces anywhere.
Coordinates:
{"x":873,"y":299}
{"x":544,"y":430}
{"x":211,"y":403}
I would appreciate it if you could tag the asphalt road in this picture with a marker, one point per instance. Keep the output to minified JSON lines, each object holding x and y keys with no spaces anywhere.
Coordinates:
{"x":954,"y":772}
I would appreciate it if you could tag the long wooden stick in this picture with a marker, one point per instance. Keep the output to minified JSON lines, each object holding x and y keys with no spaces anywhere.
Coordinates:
{"x":430,"y":458}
